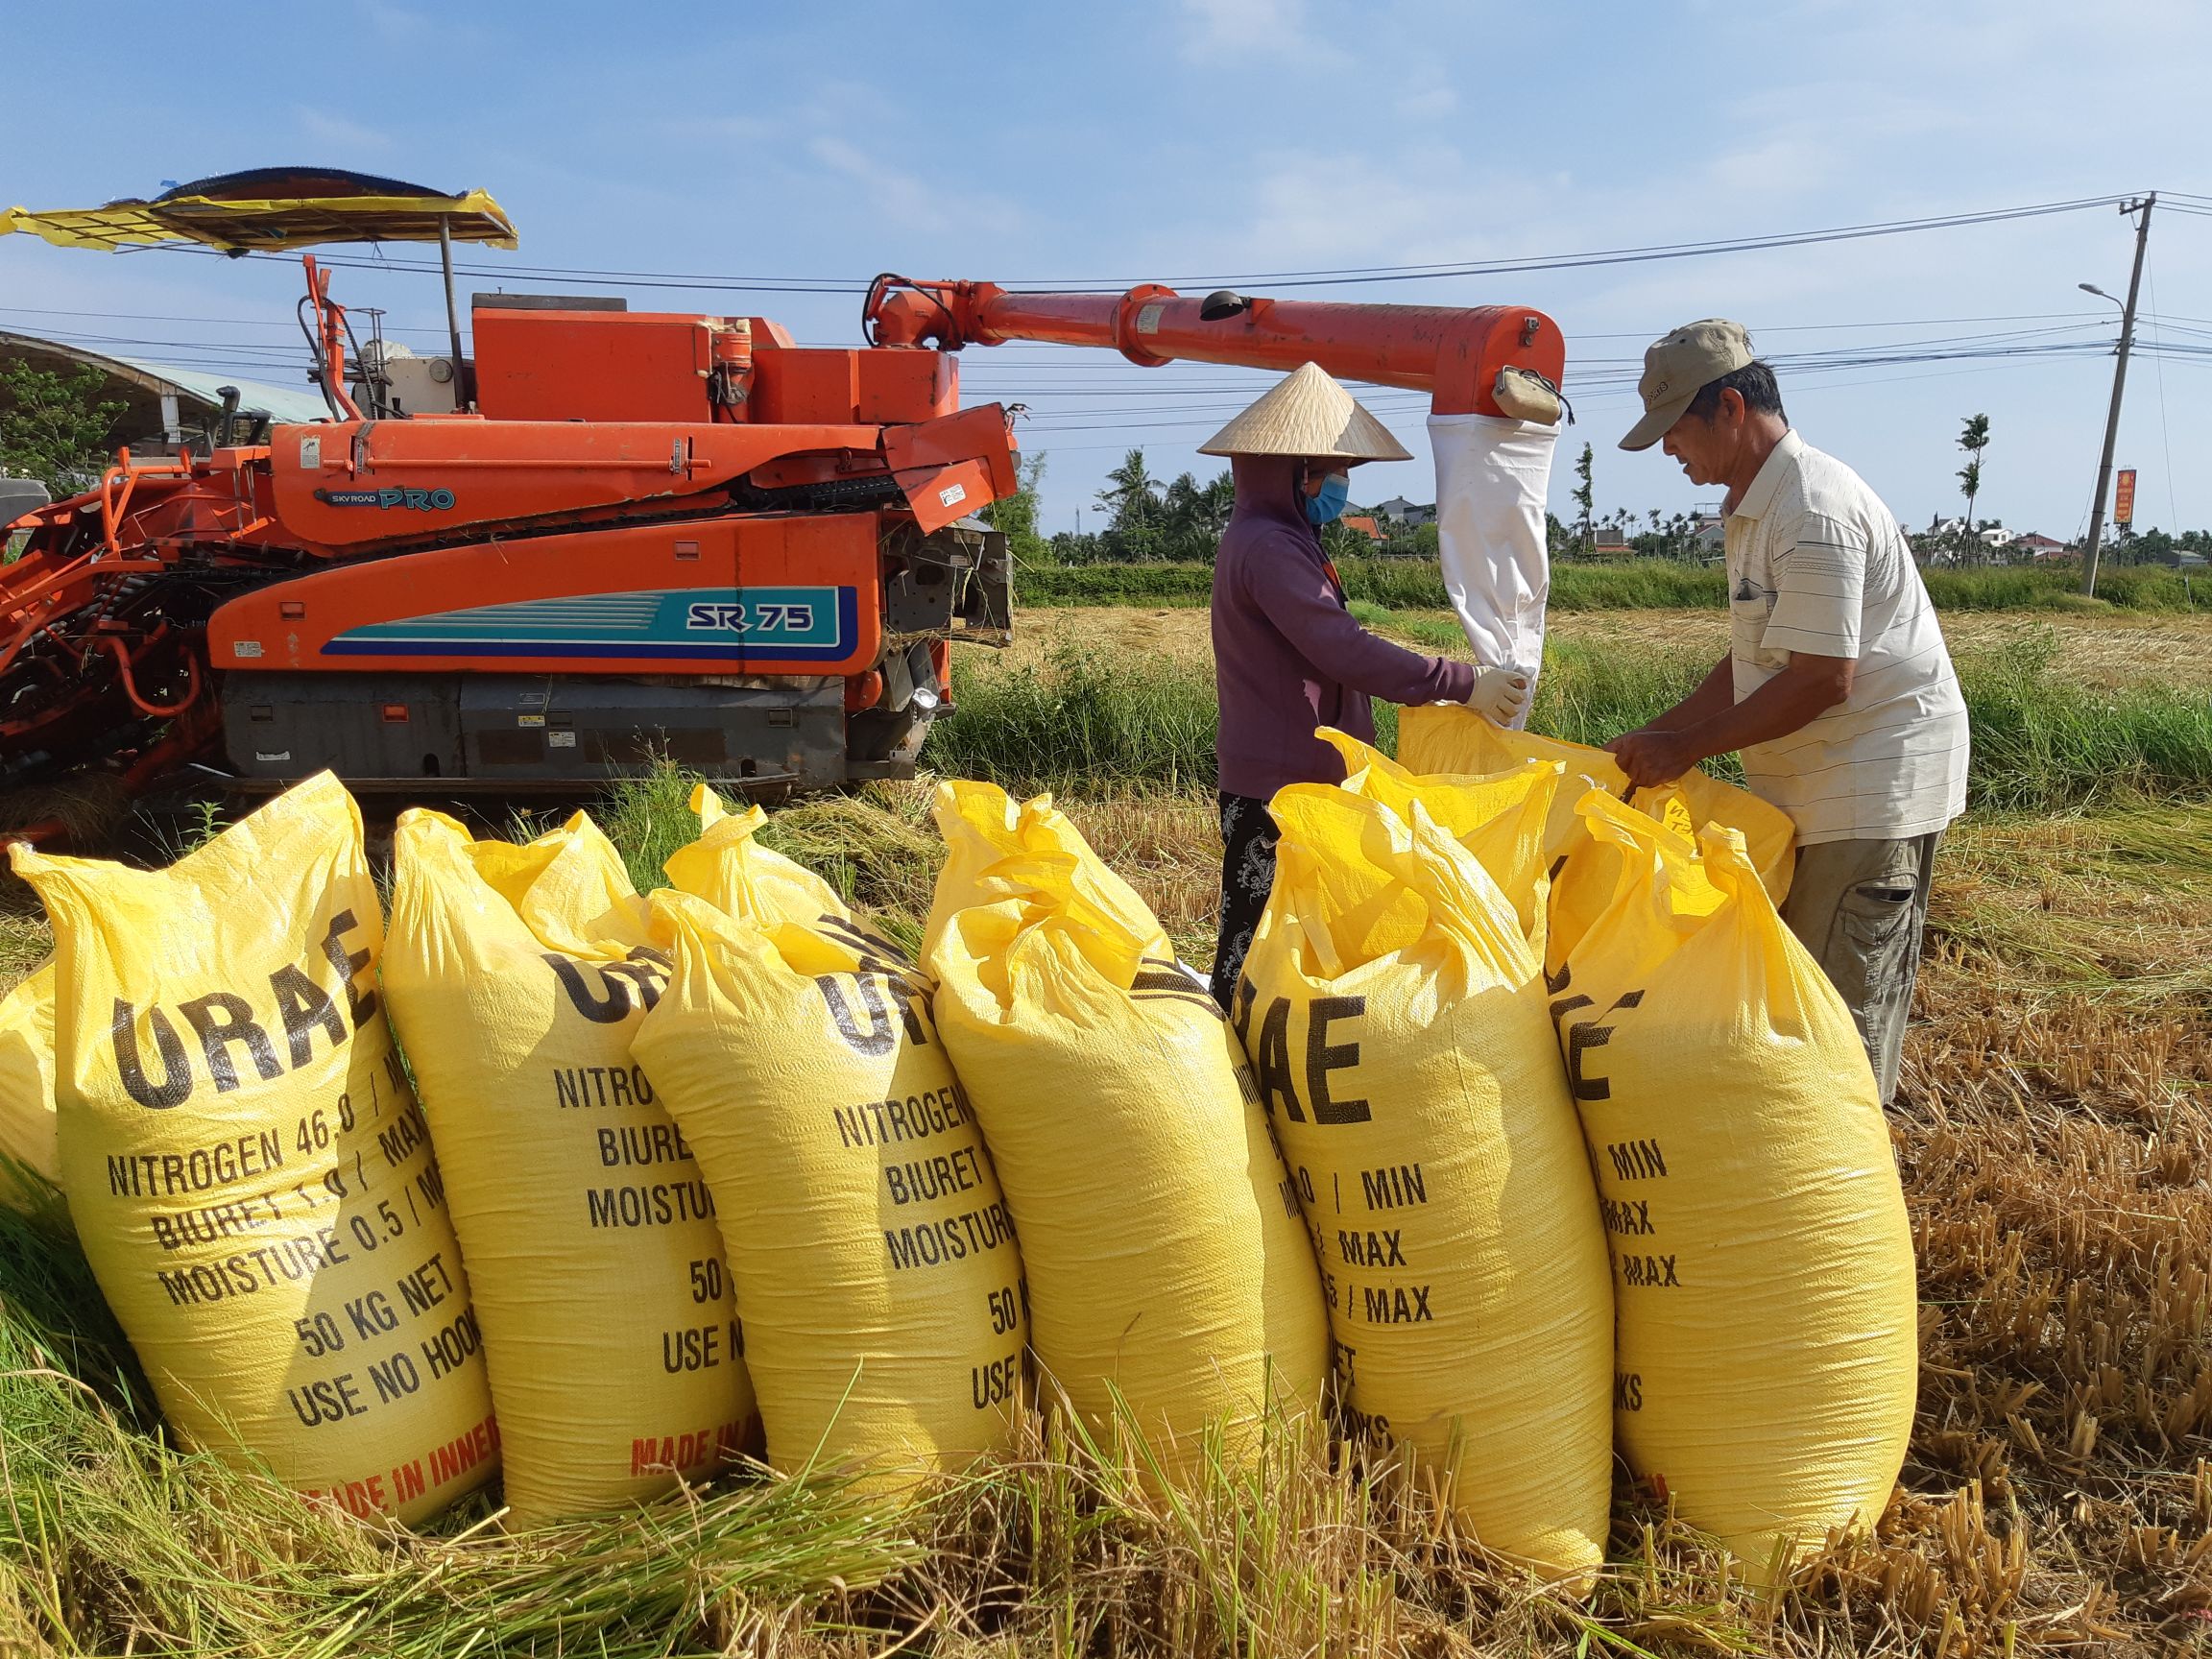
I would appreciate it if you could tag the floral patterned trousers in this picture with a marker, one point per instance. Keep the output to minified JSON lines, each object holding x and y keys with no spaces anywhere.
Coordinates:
{"x":1248,"y":837}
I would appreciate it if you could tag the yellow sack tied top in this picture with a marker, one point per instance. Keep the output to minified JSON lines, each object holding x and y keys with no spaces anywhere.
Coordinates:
{"x":1446,"y":738}
{"x":1166,"y":1258}
{"x":871,"y":1250}
{"x":29,"y":1147}
{"x":1502,"y":819}
{"x":518,"y":976}
{"x":1763,"y":1265}
{"x":247,"y":1166}
{"x":1395,"y":1016}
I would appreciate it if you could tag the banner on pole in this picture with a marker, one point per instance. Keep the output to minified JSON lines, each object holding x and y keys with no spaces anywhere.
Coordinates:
{"x":2123,"y":498}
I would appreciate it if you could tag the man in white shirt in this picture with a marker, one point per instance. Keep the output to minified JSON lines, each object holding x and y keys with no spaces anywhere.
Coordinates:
{"x":1836,"y":687}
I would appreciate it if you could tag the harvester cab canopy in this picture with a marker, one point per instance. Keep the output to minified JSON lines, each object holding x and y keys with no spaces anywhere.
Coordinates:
{"x":270,"y":209}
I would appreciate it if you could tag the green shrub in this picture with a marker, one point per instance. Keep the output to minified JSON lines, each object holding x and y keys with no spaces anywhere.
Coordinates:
{"x":1049,"y":584}
{"x":2058,"y":588}
{"x":1637,"y":584}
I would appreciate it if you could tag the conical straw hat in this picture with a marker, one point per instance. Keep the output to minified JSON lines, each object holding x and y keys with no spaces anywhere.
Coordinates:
{"x":1309,"y":414}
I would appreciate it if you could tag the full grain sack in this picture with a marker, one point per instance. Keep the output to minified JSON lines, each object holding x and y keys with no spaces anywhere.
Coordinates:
{"x":1394,"y":1013}
{"x":248,"y":1169}
{"x":1166,"y":1262}
{"x":30,"y":1149}
{"x":518,"y":976}
{"x":1763,"y":1265}
{"x":867,"y":1239}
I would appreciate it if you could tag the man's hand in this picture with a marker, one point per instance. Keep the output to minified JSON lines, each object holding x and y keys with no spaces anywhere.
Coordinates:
{"x":1651,"y":758}
{"x":1500,"y":695}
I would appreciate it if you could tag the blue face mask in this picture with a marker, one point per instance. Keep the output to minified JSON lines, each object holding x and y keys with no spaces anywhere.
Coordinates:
{"x":1328,"y":506}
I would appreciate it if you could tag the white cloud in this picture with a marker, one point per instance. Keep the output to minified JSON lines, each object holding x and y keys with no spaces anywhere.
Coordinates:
{"x":340,"y":134}
{"x":907,"y":200}
{"x":396,"y":23}
{"x":1221,"y":29}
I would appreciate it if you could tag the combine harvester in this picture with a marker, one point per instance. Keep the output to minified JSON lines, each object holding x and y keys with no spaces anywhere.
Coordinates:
{"x":608,"y":536}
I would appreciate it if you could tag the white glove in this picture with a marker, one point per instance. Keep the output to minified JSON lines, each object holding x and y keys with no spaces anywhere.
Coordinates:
{"x":1501,"y":695}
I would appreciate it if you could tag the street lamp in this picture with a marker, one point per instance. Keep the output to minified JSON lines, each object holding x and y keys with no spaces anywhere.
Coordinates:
{"x":2092,"y":288}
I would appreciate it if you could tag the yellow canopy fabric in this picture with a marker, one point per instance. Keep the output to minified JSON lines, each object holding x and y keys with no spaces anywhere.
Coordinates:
{"x":239,"y":227}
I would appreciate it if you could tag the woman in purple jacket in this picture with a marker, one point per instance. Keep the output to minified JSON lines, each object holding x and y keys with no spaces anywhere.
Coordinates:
{"x":1287,"y":656}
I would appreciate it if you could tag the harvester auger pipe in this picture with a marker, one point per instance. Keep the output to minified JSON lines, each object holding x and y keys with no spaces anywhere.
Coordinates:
{"x":1453,"y":353}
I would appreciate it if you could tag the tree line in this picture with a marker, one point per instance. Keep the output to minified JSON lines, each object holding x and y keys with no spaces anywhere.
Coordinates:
{"x":1143,"y":519}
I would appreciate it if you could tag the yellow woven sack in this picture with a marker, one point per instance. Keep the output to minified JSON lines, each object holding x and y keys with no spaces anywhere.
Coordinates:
{"x":867,"y":1239}
{"x":518,"y":976}
{"x":1443,"y":737}
{"x":1395,"y":1017}
{"x":247,"y":1168}
{"x":29,"y":1152}
{"x":1763,"y":1265}
{"x":1161,"y":1239}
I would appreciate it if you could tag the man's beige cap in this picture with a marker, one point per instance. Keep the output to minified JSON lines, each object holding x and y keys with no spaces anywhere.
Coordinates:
{"x":1678,"y":367}
{"x":1308,"y":414}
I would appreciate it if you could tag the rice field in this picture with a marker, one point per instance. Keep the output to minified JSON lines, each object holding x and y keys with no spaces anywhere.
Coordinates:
{"x":2054,"y":1132}
{"x":2109,"y":649}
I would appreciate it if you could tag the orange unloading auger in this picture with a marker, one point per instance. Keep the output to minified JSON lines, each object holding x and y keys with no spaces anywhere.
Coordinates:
{"x":1456,"y":354}
{"x":1492,"y":373}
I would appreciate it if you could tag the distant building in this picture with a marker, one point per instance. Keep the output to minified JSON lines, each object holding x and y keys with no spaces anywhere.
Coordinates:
{"x":2030,"y":545}
{"x":1608,"y":539}
{"x":1364,"y":524}
{"x":1410,"y":514}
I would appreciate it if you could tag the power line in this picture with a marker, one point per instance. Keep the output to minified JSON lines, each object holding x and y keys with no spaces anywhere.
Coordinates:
{"x":286,"y":324}
{"x":1336,"y":276}
{"x":1658,"y":251}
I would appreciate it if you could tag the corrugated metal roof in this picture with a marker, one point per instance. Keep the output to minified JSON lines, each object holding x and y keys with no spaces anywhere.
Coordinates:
{"x":283,"y":405}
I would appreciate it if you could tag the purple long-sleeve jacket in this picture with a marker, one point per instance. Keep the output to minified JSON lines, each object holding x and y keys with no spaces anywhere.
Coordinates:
{"x":1287,"y":657}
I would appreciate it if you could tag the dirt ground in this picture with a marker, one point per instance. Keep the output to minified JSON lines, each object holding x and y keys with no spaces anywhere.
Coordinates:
{"x":2115,"y":649}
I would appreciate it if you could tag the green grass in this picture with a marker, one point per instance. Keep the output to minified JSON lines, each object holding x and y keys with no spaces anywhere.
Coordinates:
{"x":1079,"y":719}
{"x":1638,"y":584}
{"x":2113,"y":904}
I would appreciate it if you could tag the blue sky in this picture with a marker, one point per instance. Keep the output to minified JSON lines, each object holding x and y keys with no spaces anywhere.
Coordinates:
{"x":1191,"y":139}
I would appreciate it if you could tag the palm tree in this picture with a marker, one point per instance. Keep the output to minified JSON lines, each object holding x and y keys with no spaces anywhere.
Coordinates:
{"x":1584,"y":495}
{"x":1194,"y":515}
{"x":1974,"y":439}
{"x":1131,"y":504}
{"x":1131,"y":487}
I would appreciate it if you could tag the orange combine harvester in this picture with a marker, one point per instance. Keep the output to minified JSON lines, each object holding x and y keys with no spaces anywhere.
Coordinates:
{"x":611,"y":536}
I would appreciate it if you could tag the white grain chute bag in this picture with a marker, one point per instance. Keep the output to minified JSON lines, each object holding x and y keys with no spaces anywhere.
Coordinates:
{"x":1492,"y":477}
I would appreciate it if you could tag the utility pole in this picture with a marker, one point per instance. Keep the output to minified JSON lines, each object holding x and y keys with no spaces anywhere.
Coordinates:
{"x":2143,"y":207}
